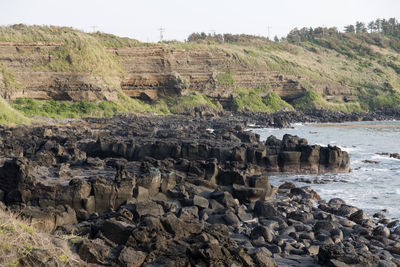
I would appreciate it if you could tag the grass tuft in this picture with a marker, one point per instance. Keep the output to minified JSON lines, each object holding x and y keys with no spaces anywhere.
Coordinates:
{"x":19,"y":241}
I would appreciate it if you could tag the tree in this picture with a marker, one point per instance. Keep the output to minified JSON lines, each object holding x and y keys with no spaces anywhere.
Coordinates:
{"x":349,"y":28}
{"x":276,"y":39}
{"x":360,"y":27}
{"x":378,"y":25}
{"x":371,"y":26}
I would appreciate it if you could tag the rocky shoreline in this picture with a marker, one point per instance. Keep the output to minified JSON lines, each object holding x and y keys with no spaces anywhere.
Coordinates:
{"x":186,"y":191}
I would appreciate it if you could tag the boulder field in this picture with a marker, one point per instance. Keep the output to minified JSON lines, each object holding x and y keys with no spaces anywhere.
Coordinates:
{"x":185,"y":191}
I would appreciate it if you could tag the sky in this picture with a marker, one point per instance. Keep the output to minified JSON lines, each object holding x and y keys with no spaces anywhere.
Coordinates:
{"x":142,"y":19}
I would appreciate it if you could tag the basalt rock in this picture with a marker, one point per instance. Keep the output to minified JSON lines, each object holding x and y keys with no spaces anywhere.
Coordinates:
{"x":168,"y":191}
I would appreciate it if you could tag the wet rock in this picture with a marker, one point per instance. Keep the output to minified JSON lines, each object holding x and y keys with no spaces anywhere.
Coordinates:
{"x":381,"y":231}
{"x":287,"y":185}
{"x":359,"y":216}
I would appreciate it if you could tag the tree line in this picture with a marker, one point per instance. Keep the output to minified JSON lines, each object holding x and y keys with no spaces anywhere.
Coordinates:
{"x":221,"y":38}
{"x":390,"y":27}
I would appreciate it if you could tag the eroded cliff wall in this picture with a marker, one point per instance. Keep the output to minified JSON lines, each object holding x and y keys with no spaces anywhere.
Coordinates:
{"x":148,"y":73}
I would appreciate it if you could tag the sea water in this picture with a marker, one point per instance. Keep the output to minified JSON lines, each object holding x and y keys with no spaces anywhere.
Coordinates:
{"x":374,"y":187}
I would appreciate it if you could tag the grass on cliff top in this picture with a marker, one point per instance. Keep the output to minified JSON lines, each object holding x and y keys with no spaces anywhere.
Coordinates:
{"x":20,"y":243}
{"x":321,"y":65}
{"x":8,"y":115}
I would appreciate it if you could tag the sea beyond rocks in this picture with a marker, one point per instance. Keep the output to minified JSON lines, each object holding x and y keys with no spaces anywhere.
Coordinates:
{"x":189,"y":190}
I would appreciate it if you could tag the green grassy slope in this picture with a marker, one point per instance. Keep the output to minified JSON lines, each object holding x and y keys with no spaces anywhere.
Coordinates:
{"x":8,"y":115}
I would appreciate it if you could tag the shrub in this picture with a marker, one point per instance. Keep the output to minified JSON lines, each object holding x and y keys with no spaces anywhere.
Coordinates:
{"x":249,"y":100}
{"x":390,"y":100}
{"x":309,"y":100}
{"x":274,"y":103}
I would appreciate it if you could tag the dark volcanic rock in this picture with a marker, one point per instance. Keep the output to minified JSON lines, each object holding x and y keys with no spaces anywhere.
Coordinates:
{"x":183,"y":191}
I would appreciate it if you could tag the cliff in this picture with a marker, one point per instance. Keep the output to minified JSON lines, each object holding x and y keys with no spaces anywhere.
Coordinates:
{"x":65,"y":64}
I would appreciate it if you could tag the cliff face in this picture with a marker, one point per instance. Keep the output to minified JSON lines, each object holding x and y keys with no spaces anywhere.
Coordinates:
{"x":25,"y":63}
{"x":153,"y":72}
{"x":148,"y":73}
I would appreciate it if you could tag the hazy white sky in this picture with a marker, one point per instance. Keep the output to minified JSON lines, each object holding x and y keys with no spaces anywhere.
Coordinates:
{"x":141,"y":19}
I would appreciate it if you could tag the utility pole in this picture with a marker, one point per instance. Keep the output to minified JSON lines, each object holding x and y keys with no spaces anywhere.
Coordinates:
{"x":162,"y":30}
{"x":268,"y":29}
{"x":94,"y":27}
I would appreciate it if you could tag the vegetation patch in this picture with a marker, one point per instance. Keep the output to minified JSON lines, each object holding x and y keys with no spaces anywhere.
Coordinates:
{"x":388,"y":100}
{"x":66,"y":109}
{"x":225,"y":78}
{"x":274,"y":103}
{"x":8,"y":115}
{"x":251,"y":100}
{"x":309,"y":100}
{"x":8,"y":78}
{"x":124,"y":105}
{"x":182,"y":104}
{"x":113,"y":41}
{"x":313,"y":100}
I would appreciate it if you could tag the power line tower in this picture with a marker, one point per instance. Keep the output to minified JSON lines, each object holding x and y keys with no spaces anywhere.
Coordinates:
{"x":213,"y":32}
{"x":94,"y":27}
{"x":162,"y":30}
{"x":268,"y":30}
